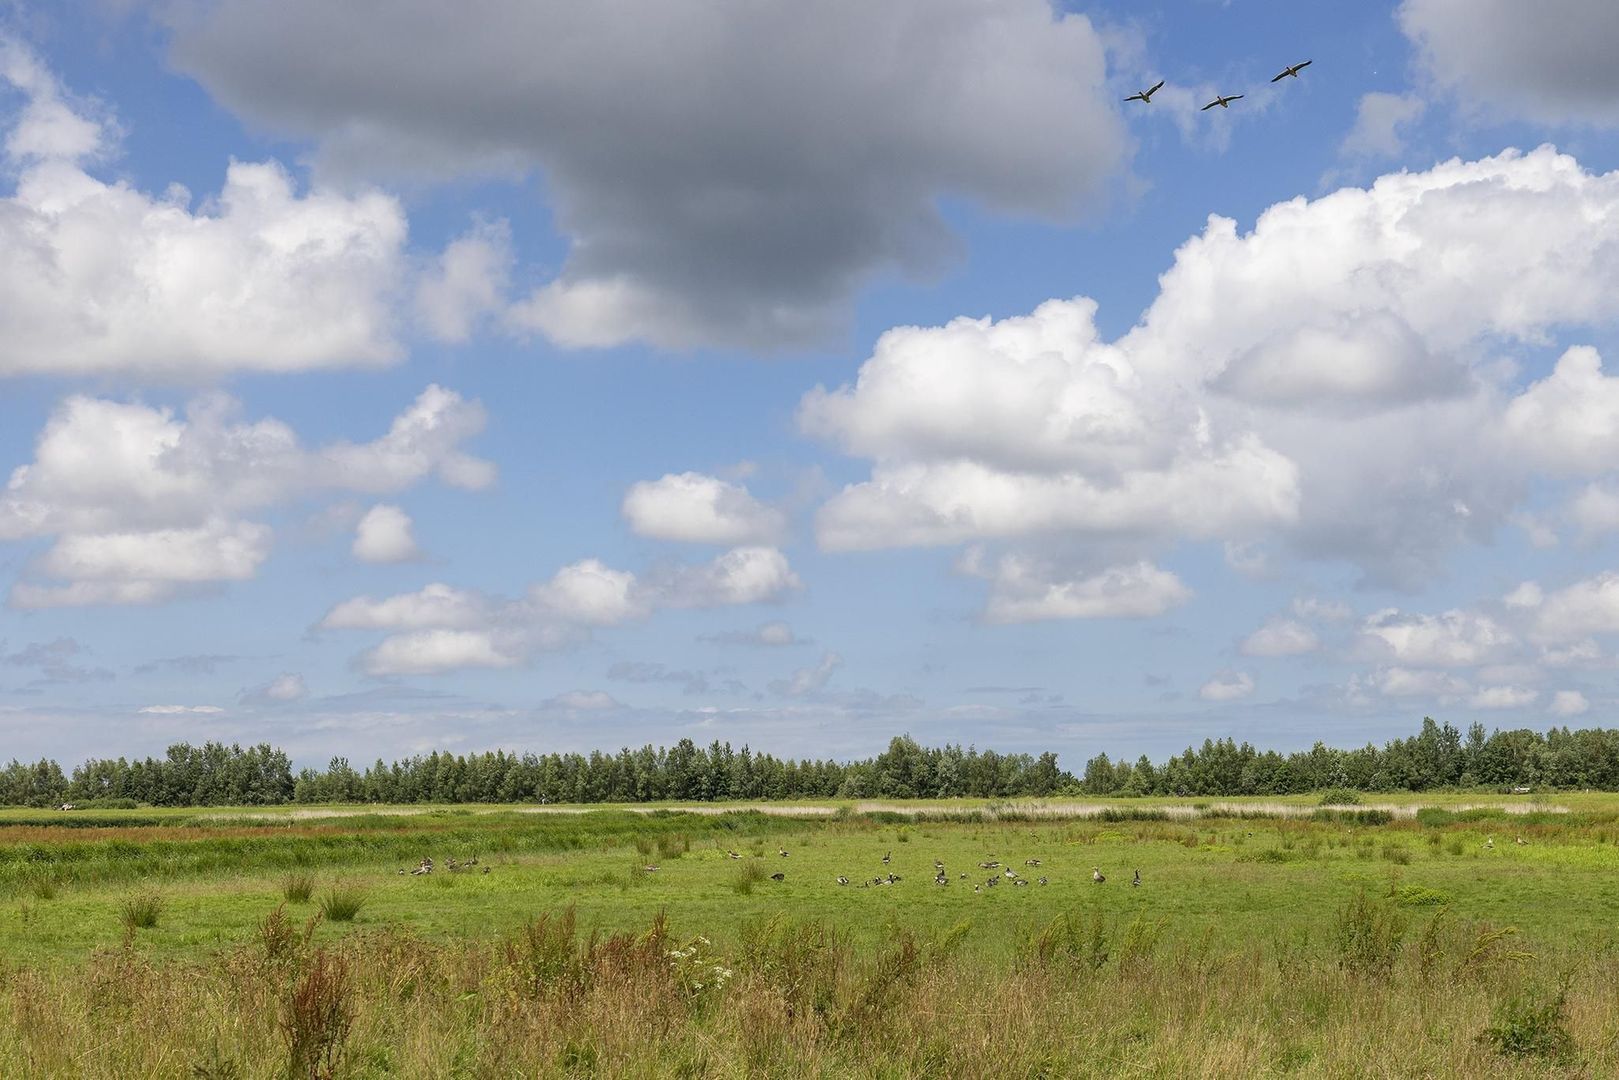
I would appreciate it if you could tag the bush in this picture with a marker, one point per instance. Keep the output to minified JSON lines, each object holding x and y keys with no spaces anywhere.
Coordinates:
{"x":1532,"y":1024}
{"x":298,"y":888}
{"x":341,"y":903}
{"x":1339,"y":796}
{"x":140,"y":912}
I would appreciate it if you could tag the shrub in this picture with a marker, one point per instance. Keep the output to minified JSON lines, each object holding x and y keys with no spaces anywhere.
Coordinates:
{"x":298,"y":888}
{"x":140,"y":912}
{"x":1532,"y":1024}
{"x":1340,"y":796}
{"x":341,"y":903}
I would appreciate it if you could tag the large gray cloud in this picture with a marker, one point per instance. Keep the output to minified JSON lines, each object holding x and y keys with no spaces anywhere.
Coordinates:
{"x":1550,"y":61}
{"x":727,"y":173}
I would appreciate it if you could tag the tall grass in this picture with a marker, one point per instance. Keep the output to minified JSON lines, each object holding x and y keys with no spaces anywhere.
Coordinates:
{"x":140,"y":912}
{"x":1087,"y":995}
{"x":298,"y":888}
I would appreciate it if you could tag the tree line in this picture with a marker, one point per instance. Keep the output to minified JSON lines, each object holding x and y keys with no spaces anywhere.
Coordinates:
{"x":1439,"y":756}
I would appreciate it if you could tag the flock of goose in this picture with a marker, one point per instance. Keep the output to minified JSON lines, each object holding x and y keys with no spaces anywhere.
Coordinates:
{"x":941,"y":877}
{"x":1222,"y":100}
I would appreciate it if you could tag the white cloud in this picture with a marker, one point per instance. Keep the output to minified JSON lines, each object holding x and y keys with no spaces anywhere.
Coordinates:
{"x":1550,"y":62}
{"x":1569,"y":421}
{"x":288,"y":686}
{"x":141,"y":501}
{"x":1227,"y":686}
{"x":591,"y":593}
{"x":744,"y":575}
{"x":1327,"y":380}
{"x":584,"y":701}
{"x":468,"y":283}
{"x":441,"y":628}
{"x":1379,"y":122}
{"x":180,"y":710}
{"x":383,"y":536}
{"x":435,"y":606}
{"x":1452,"y":639}
{"x":808,"y":681}
{"x":1595,"y":509}
{"x":701,"y":509}
{"x":434,"y":652}
{"x":744,"y":207}
{"x":1568,"y":703}
{"x":1313,"y":607}
{"x":1525,"y":595}
{"x":1504,"y":697}
{"x":1402,"y":682}
{"x":100,"y":277}
{"x":1023,"y":589}
{"x":1580,"y":610}
{"x":774,"y":634}
{"x":1281,"y":637}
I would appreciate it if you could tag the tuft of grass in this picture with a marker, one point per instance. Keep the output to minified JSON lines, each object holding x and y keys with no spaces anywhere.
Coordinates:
{"x":342,"y":902}
{"x":140,"y":912}
{"x":42,"y":888}
{"x":1369,"y":935}
{"x":1340,"y":796}
{"x":746,"y":875}
{"x":298,"y":888}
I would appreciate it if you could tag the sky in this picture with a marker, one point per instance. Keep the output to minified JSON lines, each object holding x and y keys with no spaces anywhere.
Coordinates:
{"x":383,"y":377}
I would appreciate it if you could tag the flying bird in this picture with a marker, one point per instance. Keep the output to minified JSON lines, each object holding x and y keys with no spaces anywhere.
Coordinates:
{"x":1222,"y":100}
{"x":1146,"y":95}
{"x":1293,"y":70}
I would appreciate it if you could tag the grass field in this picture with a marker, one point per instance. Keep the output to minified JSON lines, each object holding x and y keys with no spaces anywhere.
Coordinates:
{"x":1268,"y":937}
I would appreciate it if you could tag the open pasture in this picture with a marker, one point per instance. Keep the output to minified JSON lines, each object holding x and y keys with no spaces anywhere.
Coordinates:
{"x":1262,"y":939}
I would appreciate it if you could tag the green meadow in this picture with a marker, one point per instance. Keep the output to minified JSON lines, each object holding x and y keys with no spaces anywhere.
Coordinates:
{"x":1434,"y":936}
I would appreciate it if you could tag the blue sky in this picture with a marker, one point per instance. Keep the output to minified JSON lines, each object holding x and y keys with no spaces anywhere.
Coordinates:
{"x":377,"y":378}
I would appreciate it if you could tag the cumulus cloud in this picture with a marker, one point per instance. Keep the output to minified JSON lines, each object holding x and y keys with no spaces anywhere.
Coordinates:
{"x":1227,"y":686}
{"x":287,"y":687}
{"x":434,"y":652}
{"x":743,"y":207}
{"x":442,"y":628}
{"x":1324,"y":379}
{"x":383,"y":536}
{"x":1549,"y":62}
{"x":467,"y":283}
{"x":143,"y":504}
{"x":701,"y":509}
{"x":1579,"y":610}
{"x":1281,"y":637}
{"x":1569,"y":703}
{"x":1503,"y":697}
{"x":1024,"y":589}
{"x":180,"y":710}
{"x":1452,"y":639}
{"x":101,"y":277}
{"x":1379,"y":122}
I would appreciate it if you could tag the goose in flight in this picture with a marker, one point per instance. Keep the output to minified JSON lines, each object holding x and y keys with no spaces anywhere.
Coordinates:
{"x":1146,"y":95}
{"x":1222,"y":100}
{"x":1293,"y":70}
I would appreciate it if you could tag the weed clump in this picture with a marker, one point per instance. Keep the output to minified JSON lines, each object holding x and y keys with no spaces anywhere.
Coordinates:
{"x":1532,"y":1024}
{"x":341,"y":903}
{"x":316,"y":1014}
{"x":1369,"y":935}
{"x":1340,"y":796}
{"x":140,"y":912}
